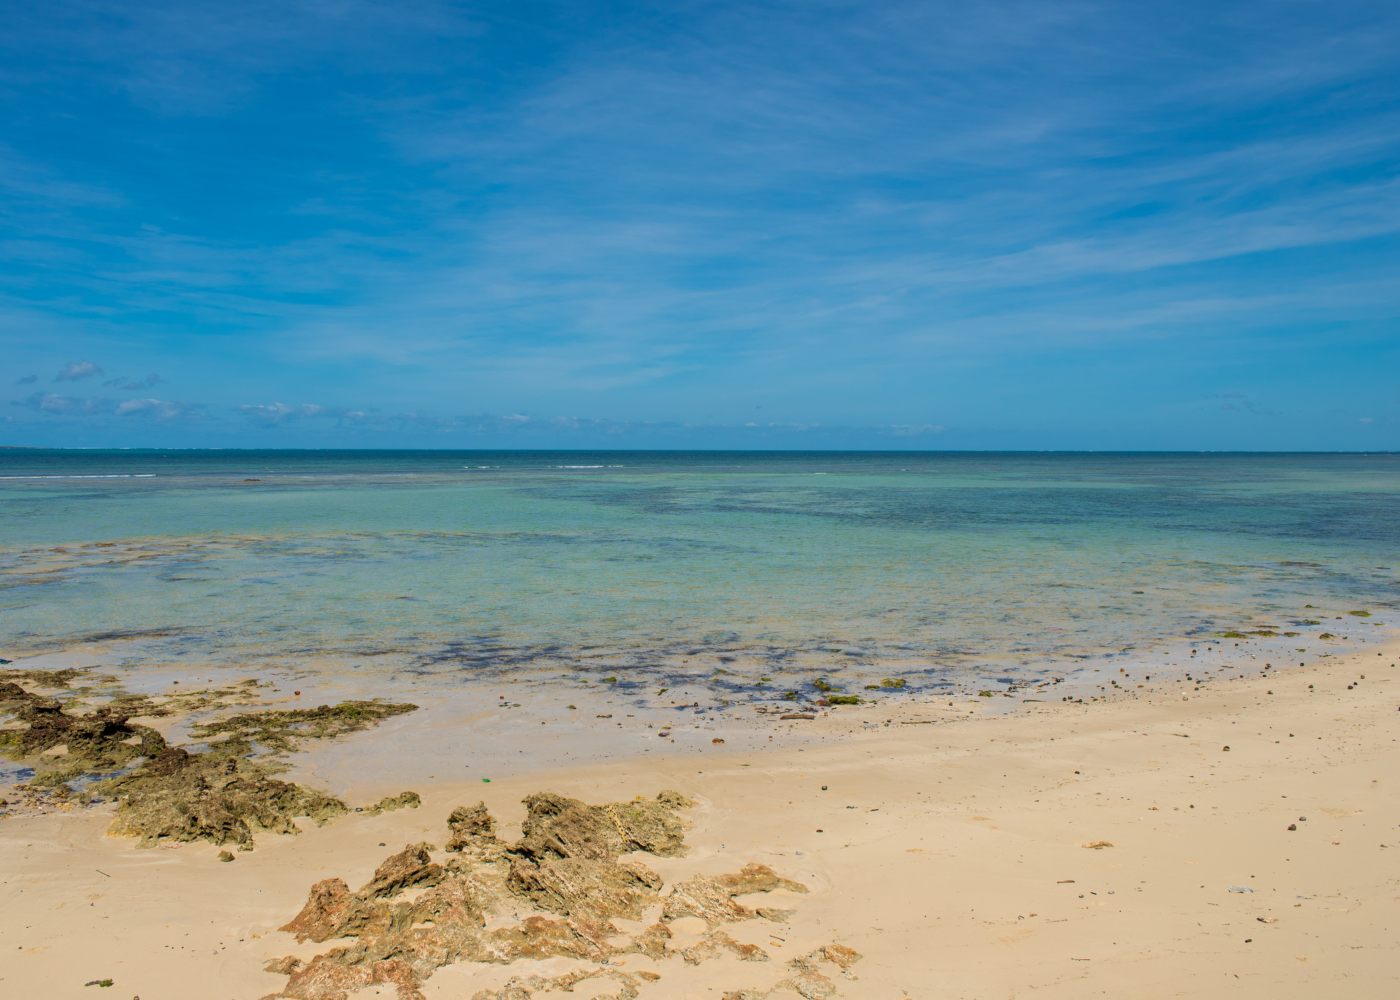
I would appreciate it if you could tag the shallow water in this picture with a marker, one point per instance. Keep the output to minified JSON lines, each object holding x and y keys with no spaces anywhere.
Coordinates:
{"x":662,"y":567}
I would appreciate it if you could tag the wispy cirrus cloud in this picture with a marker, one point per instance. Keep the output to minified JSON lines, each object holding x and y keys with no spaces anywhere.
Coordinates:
{"x":896,"y":218}
{"x":76,"y":371}
{"x":134,"y":384}
{"x":58,"y":405}
{"x":159,"y":409}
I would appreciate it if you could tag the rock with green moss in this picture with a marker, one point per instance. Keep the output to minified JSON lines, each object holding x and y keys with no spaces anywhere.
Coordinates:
{"x":219,"y":796}
{"x":390,"y":803}
{"x":280,"y":729}
{"x":62,"y":745}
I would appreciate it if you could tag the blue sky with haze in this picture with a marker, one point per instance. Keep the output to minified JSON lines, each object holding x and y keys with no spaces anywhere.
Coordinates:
{"x":802,"y":224}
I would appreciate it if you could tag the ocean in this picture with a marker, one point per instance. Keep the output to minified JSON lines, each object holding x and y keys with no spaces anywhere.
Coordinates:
{"x":746,"y":571}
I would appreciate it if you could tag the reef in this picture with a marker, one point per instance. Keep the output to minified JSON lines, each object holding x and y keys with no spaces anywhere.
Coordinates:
{"x":61,"y":746}
{"x":223,"y":793}
{"x":216,"y":796}
{"x":280,"y":730}
{"x":390,"y":803}
{"x":556,"y":892}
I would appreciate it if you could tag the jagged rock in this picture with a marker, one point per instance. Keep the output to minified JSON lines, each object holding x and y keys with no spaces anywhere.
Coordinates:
{"x":651,"y":942}
{"x":473,"y":830}
{"x":567,"y":864}
{"x":806,"y":979}
{"x":411,"y":866}
{"x":711,"y":897}
{"x":717,"y":943}
{"x":582,"y":887}
{"x":567,"y":828}
{"x":328,"y":977}
{"x":523,"y":988}
{"x":324,"y":915}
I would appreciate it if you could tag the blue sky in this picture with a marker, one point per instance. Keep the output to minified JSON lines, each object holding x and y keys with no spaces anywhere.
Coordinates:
{"x":794,"y":224}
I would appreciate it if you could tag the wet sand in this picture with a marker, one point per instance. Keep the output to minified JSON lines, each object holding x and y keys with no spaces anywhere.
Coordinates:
{"x":944,"y":843}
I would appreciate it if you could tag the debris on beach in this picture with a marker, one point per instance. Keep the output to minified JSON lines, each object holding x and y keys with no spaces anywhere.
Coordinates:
{"x":554,"y":893}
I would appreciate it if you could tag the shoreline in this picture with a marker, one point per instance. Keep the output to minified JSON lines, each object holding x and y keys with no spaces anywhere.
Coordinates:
{"x":941,"y":849}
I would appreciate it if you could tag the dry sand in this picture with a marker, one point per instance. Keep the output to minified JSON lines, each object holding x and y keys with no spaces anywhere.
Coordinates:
{"x":1254,"y":827}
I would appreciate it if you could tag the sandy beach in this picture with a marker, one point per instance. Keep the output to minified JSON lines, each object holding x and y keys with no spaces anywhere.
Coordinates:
{"x":1233,"y":838}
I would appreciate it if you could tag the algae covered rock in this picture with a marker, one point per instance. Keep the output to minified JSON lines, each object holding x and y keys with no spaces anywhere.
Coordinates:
{"x":183,"y":796}
{"x":223,"y":793}
{"x":567,"y":828}
{"x":472,"y":829}
{"x":404,"y":800}
{"x":62,"y":745}
{"x":280,"y":729}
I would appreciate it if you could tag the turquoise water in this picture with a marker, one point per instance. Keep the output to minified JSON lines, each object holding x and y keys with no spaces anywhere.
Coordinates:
{"x":929,"y":566}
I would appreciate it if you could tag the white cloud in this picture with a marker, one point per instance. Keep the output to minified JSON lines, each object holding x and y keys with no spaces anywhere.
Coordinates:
{"x":157,"y":409}
{"x":76,"y":371}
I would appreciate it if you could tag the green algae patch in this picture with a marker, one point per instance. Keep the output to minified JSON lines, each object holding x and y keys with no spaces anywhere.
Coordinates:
{"x":1360,"y":614}
{"x":229,"y":792}
{"x":181,"y":703}
{"x":843,"y":699}
{"x":391,"y":803}
{"x":1232,"y":634}
{"x":216,"y":796}
{"x":224,"y":793}
{"x":279,"y":729}
{"x":61,"y":746}
{"x":53,"y":679}
{"x":823,"y":685}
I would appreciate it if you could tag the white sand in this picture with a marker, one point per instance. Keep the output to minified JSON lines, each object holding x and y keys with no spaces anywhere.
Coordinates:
{"x":950,"y":855}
